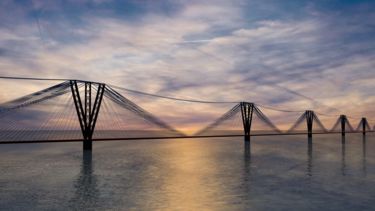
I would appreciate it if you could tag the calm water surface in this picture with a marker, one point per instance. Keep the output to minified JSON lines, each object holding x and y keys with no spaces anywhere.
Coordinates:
{"x":275,"y":172}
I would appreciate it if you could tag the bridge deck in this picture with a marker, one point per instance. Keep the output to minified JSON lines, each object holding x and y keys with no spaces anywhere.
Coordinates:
{"x":175,"y":137}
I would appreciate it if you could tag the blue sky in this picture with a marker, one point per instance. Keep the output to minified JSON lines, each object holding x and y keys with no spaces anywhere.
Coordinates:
{"x":292,"y":54}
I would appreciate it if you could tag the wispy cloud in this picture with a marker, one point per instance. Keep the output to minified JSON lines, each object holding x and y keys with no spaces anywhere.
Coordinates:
{"x":225,"y":51}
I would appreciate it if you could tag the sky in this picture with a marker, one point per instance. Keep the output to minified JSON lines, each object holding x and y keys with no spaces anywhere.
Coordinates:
{"x":291,"y":54}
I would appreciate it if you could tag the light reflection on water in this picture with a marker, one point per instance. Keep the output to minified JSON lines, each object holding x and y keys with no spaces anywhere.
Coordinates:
{"x":327,"y":172}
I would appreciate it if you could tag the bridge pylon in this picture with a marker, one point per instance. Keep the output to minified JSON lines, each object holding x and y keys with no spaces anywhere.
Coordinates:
{"x":364,"y":123}
{"x":247,"y":110}
{"x":309,"y":115}
{"x":87,"y":108}
{"x":343,"y":121}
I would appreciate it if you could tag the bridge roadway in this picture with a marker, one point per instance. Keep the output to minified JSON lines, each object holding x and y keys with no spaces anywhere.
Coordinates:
{"x":169,"y":137}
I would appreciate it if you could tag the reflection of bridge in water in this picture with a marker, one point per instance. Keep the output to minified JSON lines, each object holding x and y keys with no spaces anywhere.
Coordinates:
{"x":344,"y":166}
{"x":76,"y":110}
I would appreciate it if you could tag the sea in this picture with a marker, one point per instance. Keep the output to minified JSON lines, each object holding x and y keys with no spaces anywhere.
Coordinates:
{"x":290,"y":172}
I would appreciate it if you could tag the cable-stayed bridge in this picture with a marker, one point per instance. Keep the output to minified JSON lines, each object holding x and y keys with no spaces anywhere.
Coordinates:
{"x":76,"y":110}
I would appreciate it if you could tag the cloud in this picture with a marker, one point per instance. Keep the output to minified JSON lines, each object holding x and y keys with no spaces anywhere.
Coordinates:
{"x":200,"y":50}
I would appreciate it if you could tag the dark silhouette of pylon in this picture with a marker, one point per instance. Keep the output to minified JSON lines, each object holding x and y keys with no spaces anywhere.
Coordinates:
{"x":343,"y":121}
{"x":247,"y":110}
{"x":309,"y":115}
{"x":364,"y":124}
{"x":87,"y":109}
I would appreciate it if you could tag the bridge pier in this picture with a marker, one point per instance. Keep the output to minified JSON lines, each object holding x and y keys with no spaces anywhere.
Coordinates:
{"x":247,"y":116}
{"x":343,"y":121}
{"x":87,"y":109}
{"x":87,"y":144}
{"x":364,"y":123}
{"x":309,"y":120}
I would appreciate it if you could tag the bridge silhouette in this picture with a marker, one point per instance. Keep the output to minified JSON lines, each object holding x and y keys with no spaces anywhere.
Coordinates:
{"x":77,"y":110}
